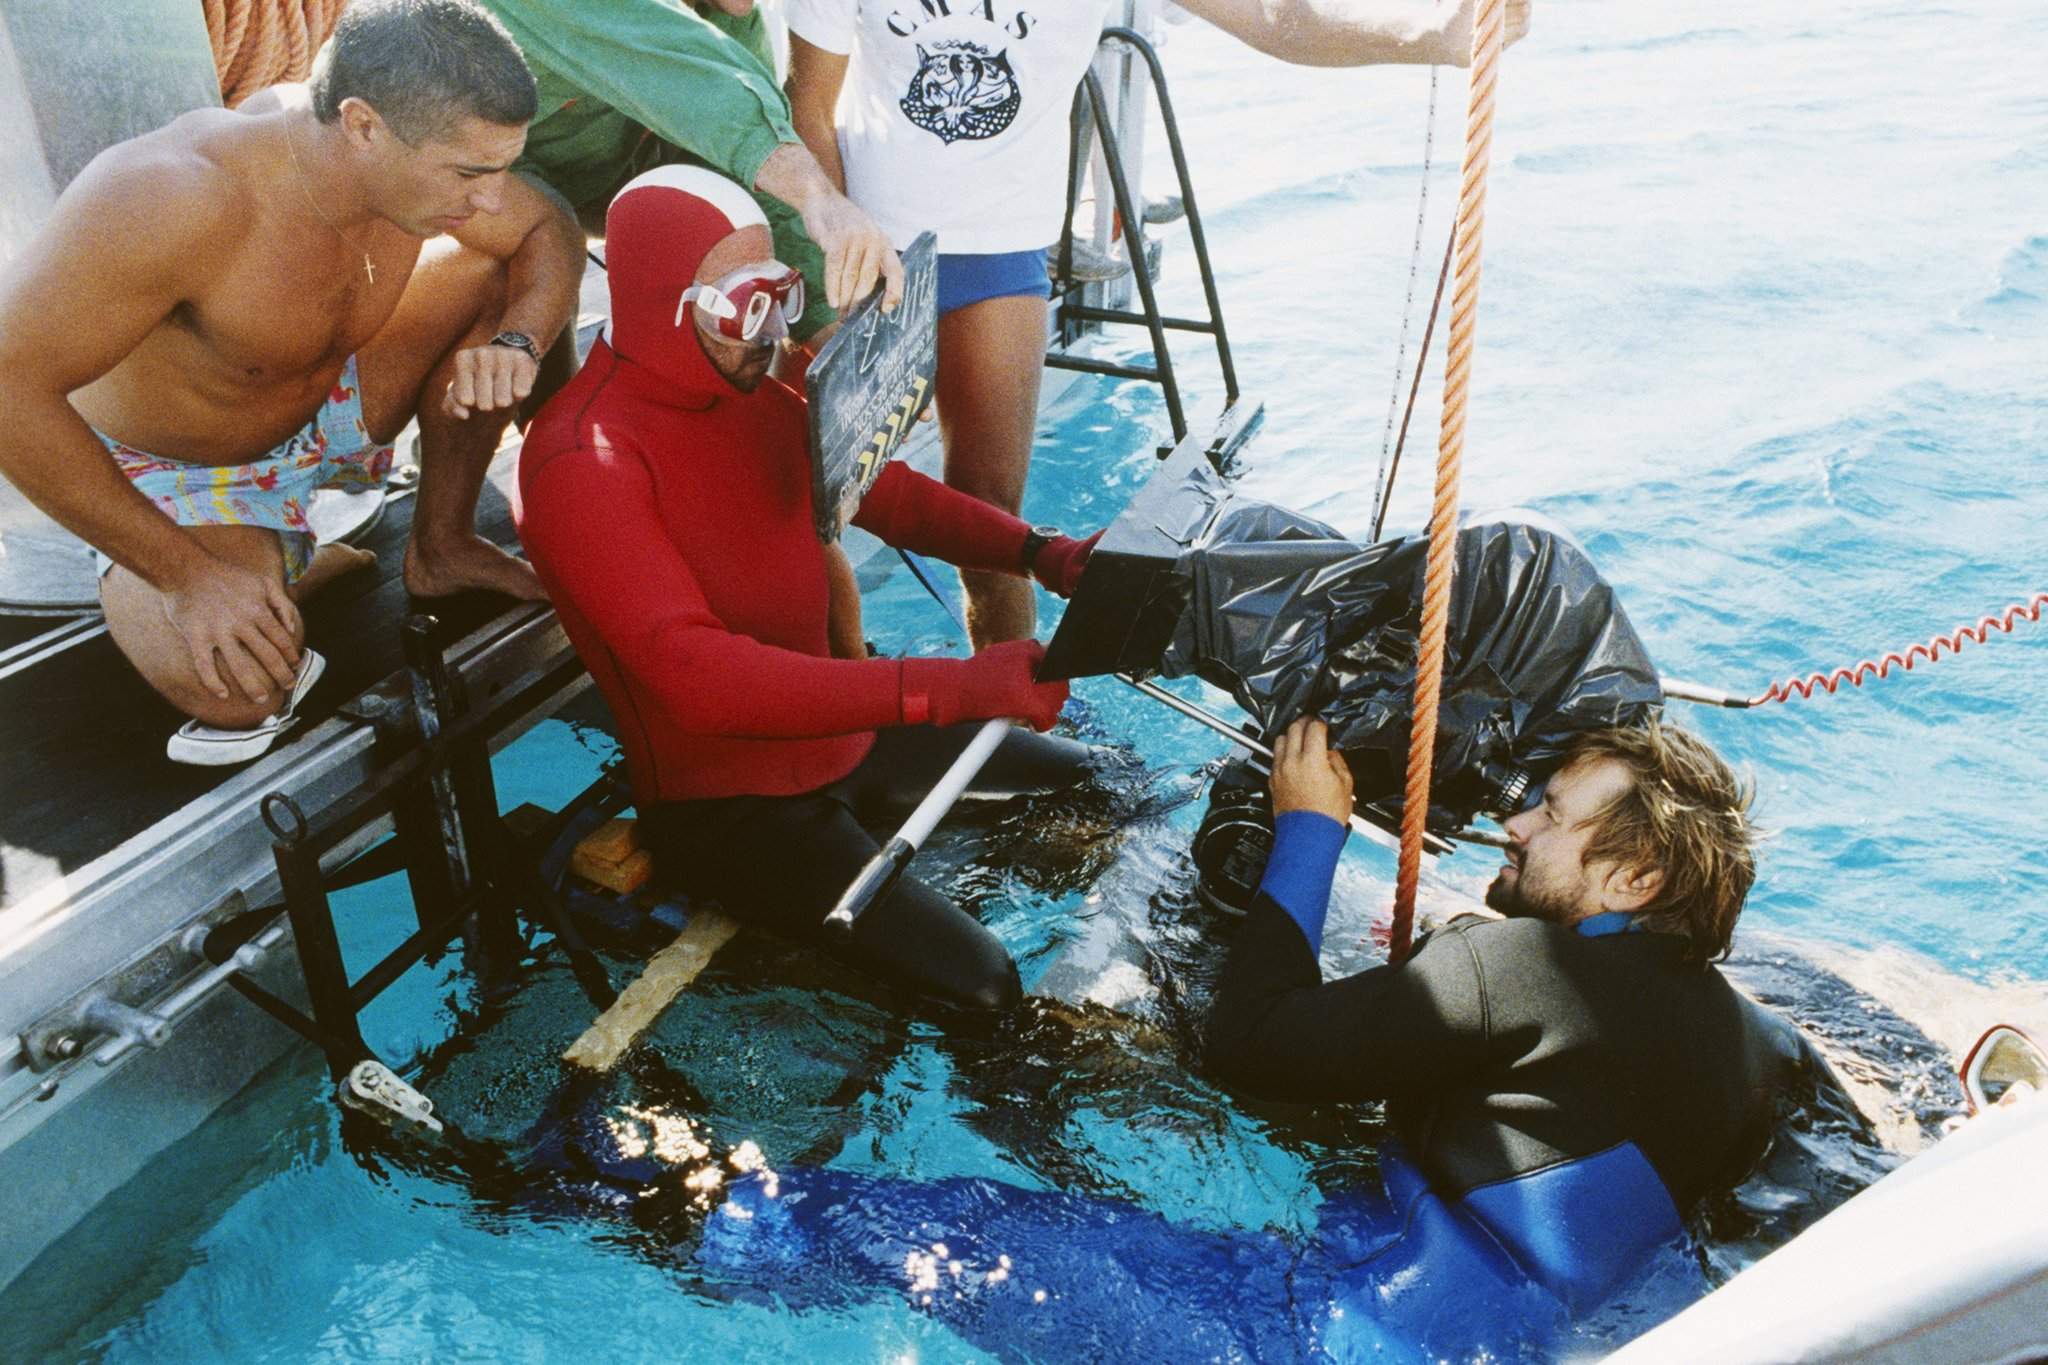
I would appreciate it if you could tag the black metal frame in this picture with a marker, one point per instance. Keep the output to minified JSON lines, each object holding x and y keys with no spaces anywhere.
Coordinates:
{"x":465,"y":866}
{"x":1071,"y":313}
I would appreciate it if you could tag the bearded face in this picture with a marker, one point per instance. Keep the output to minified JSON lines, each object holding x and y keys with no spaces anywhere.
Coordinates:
{"x":1545,"y":874}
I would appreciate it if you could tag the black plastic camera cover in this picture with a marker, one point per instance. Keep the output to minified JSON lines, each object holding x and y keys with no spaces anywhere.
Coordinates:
{"x":1290,"y":618}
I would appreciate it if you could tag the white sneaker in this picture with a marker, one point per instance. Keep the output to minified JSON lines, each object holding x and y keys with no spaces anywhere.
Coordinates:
{"x":1160,"y":212}
{"x":206,"y":747}
{"x":1089,"y":266}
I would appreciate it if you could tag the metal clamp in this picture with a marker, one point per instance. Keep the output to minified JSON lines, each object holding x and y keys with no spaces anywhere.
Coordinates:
{"x":246,"y":958}
{"x":119,"y":1002}
{"x":386,"y":708}
{"x":128,"y":1025}
{"x":379,"y":1091}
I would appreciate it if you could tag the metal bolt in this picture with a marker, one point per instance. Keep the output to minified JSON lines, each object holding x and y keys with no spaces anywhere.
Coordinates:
{"x":64,"y":1047}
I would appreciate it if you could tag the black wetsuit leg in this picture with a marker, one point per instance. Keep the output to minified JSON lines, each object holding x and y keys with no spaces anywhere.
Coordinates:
{"x":908,"y":761}
{"x":784,"y":861}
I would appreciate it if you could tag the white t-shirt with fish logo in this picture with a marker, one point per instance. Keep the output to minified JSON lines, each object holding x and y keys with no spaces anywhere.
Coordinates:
{"x":954,"y":114}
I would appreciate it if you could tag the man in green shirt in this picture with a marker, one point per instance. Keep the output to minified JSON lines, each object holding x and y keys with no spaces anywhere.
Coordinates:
{"x":626,"y":85}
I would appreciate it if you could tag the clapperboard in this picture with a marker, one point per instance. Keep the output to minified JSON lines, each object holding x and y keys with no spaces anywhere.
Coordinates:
{"x":867,"y":387}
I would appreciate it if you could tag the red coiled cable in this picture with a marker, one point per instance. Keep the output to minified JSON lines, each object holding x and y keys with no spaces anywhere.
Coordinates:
{"x":1931,"y":651}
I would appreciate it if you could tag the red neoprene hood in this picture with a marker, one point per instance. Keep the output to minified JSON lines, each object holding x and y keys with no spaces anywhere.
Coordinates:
{"x":657,"y":231}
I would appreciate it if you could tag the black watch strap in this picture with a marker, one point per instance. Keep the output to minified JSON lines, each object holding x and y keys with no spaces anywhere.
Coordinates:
{"x":1036,"y":539}
{"x":518,"y":341}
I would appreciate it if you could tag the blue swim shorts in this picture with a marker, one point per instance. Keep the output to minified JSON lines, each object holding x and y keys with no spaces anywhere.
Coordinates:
{"x":965,"y":279}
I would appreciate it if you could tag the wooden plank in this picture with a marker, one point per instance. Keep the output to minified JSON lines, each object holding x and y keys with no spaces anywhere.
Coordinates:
{"x":640,"y":1004}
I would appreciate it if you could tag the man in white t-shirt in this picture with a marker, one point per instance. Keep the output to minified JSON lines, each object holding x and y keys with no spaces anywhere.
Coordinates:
{"x":952,"y":115}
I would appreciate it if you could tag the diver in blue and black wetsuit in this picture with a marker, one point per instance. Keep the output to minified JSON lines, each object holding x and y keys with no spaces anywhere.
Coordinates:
{"x":1567,"y":1082}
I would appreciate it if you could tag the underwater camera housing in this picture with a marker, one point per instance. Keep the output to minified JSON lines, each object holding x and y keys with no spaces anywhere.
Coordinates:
{"x":1235,"y":837}
{"x":1292,"y":619}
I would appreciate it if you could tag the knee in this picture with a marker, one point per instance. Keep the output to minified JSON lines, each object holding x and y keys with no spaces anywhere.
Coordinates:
{"x":195,"y":702}
{"x":970,"y":969}
{"x":1003,"y":498}
{"x":454,"y":276}
{"x":136,"y":623}
{"x":496,"y":277}
{"x":927,"y":943}
{"x":991,"y":987}
{"x":486,"y":284}
{"x":1225,"y":1057}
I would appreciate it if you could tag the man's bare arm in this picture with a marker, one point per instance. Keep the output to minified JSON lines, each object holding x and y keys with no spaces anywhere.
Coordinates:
{"x":1355,"y":32}
{"x":128,"y":242}
{"x":811,"y":178}
{"x":536,"y":235}
{"x":815,"y":79}
{"x":857,"y":251}
{"x":107,"y":270}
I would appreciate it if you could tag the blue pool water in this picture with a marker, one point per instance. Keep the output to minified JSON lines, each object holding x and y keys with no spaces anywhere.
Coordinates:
{"x":1764,"y":321}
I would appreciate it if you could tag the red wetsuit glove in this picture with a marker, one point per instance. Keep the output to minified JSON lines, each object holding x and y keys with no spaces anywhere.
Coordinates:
{"x":996,"y":682}
{"x":1060,"y":562}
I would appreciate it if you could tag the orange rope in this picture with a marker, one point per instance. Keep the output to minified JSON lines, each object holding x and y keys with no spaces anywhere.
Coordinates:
{"x":258,"y":43}
{"x":1487,"y":29}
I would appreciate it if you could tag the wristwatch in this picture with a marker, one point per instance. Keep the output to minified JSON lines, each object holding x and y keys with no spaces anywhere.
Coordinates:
{"x":1036,"y":539}
{"x":518,"y":341}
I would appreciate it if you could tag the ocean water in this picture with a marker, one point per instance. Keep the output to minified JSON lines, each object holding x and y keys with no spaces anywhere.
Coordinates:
{"x":1764,"y":321}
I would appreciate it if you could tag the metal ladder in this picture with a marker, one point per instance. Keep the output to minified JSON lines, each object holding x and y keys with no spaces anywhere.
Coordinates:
{"x":1091,"y":113}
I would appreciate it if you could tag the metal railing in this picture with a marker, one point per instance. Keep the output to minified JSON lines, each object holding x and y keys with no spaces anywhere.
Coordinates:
{"x":1092,"y":113}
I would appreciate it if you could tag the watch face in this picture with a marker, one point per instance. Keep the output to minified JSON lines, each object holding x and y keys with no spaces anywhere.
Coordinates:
{"x":1036,"y":539}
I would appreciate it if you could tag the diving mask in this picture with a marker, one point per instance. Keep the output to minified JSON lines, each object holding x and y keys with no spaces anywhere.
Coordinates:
{"x":752,"y":304}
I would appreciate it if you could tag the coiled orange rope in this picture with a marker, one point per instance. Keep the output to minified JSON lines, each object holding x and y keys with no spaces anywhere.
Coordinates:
{"x":1488,"y":30}
{"x":257,"y":43}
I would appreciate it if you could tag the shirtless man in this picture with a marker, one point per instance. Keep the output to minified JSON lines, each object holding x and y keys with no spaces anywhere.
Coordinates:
{"x":230,"y":311}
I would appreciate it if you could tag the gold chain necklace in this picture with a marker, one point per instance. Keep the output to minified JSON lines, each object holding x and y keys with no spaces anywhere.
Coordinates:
{"x":307,"y":190}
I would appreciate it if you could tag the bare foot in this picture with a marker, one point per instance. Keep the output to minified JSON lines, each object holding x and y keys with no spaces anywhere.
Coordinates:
{"x":330,"y":561}
{"x":473,"y":563}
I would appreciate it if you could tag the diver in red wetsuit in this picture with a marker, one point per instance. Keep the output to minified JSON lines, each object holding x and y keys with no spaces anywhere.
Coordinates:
{"x":665,"y":499}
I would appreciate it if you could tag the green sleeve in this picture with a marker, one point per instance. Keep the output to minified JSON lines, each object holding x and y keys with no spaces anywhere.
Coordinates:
{"x":749,"y":30}
{"x":690,"y":81}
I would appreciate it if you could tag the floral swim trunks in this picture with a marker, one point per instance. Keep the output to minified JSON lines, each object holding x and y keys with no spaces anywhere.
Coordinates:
{"x":335,"y":447}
